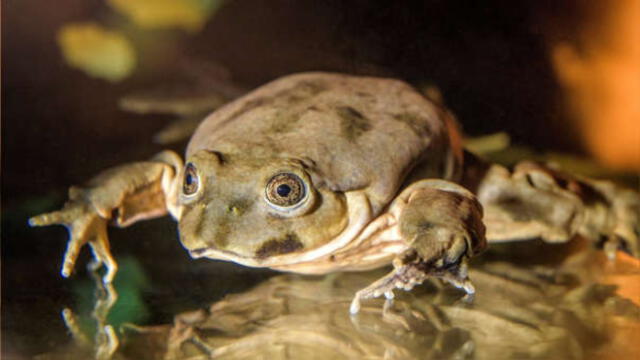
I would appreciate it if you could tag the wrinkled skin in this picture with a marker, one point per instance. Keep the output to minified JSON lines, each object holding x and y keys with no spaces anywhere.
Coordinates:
{"x":316,"y":173}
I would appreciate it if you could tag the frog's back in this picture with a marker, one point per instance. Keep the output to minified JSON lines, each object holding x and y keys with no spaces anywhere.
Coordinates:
{"x":358,"y":132}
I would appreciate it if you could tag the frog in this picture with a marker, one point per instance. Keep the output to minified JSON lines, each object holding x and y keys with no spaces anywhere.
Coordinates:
{"x":317,"y":173}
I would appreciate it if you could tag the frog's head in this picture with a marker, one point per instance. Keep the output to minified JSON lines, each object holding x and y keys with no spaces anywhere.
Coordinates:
{"x":255,"y":211}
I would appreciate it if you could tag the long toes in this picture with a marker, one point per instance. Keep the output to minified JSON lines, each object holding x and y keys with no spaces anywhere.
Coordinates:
{"x":70,"y":256}
{"x":54,"y":217}
{"x":468,"y":287}
{"x":383,"y":286}
{"x":75,"y":243}
{"x":68,"y":215}
{"x":459,"y":280}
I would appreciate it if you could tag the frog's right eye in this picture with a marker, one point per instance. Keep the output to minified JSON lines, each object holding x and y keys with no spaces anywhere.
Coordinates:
{"x":285,"y":191}
{"x":191,"y":182}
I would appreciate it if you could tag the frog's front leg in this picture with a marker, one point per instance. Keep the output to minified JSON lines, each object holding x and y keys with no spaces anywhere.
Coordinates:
{"x":123,"y":195}
{"x":442,"y":224}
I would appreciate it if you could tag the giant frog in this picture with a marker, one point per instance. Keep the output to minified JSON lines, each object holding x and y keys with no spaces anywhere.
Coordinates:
{"x":316,"y":173}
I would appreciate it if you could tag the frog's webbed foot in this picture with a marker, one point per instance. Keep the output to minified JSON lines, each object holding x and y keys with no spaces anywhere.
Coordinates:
{"x":121,"y":195}
{"x":84,"y":226}
{"x":408,"y":273}
{"x":442,"y":224}
{"x":385,"y":285}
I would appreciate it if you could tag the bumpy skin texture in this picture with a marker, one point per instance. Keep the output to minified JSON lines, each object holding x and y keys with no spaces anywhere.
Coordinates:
{"x":372,"y":172}
{"x":536,"y":201}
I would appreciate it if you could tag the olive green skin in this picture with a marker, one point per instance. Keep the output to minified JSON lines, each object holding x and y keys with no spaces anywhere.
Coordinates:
{"x":339,"y":133}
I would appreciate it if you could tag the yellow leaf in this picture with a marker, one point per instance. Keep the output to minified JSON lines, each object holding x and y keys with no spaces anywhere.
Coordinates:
{"x":189,"y":15}
{"x":97,"y":51}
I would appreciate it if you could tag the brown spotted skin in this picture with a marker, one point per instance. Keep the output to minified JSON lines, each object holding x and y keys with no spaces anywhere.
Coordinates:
{"x":289,"y":243}
{"x":358,"y":132}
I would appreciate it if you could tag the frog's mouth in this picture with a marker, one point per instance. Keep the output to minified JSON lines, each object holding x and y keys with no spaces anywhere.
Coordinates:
{"x":359,"y":216}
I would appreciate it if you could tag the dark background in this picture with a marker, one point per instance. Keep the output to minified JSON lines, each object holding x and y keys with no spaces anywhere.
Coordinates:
{"x":60,"y":126}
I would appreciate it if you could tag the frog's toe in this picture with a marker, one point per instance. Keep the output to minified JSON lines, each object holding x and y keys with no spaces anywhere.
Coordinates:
{"x":382,"y":286}
{"x":44,"y":219}
{"x":70,"y":256}
{"x":457,"y":275}
{"x":55,"y":217}
{"x":410,"y":271}
{"x":81,"y":231}
{"x":84,"y":226}
{"x":102,"y":256}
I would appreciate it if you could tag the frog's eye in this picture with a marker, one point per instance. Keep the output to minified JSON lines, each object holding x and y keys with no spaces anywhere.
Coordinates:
{"x":285,"y":190}
{"x":191,"y":181}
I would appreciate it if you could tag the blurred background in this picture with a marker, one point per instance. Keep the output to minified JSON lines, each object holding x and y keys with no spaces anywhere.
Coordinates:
{"x":557,"y":76}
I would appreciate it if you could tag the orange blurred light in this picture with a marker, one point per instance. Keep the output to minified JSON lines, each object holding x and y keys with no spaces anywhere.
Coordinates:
{"x":600,"y":76}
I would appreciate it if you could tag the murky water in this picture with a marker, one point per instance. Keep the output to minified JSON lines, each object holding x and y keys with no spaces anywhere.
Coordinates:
{"x":528,"y":306}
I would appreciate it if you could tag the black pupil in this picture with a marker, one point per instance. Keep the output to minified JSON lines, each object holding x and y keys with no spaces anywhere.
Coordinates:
{"x":283,"y":190}
{"x":189,"y":179}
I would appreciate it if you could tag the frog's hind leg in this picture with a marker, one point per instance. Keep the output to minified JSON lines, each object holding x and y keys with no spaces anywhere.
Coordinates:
{"x":537,"y":201}
{"x":441,"y":223}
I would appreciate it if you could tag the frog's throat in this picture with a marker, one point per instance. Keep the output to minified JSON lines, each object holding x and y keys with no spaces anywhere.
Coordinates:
{"x":360,"y":215}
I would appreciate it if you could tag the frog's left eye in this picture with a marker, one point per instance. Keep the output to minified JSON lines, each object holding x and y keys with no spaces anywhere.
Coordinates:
{"x":191,"y":182}
{"x":285,"y":190}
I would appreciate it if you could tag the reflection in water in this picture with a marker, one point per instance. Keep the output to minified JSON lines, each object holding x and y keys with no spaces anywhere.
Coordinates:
{"x":519,"y":312}
{"x":106,"y":341}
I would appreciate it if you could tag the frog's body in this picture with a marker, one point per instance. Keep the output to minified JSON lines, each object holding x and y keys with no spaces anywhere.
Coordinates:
{"x":318,"y":172}
{"x":374,"y":133}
